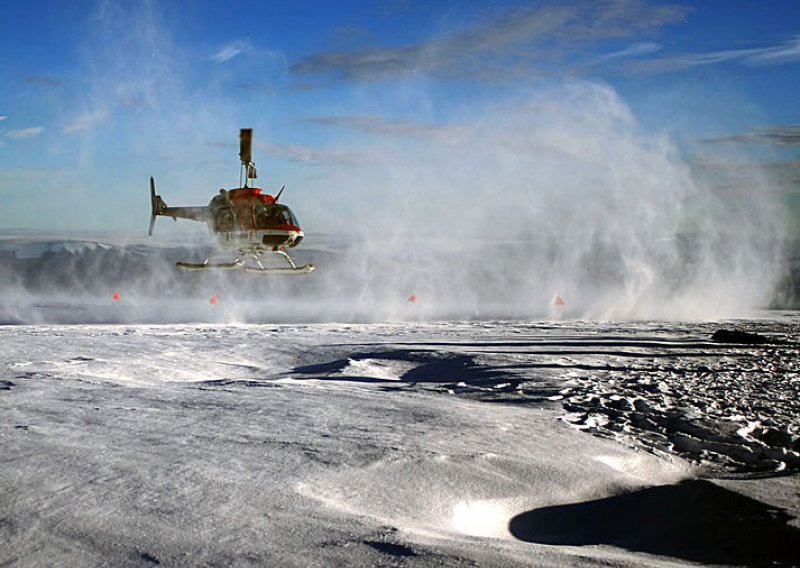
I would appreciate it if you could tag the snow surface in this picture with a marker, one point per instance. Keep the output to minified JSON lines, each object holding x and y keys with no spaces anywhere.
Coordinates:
{"x":425,"y":444}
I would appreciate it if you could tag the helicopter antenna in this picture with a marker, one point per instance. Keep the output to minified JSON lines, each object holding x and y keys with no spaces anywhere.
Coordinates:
{"x":247,"y":171}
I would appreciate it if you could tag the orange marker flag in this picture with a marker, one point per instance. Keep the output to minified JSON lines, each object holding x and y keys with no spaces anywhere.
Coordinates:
{"x":115,"y":296}
{"x":412,"y":298}
{"x":558,"y":301}
{"x":213,"y":300}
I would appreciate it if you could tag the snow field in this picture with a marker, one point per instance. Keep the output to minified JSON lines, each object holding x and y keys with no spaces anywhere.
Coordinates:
{"x":303,"y":446}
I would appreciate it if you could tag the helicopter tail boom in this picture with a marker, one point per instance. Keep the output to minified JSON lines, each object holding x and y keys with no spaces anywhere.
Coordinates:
{"x":159,"y":207}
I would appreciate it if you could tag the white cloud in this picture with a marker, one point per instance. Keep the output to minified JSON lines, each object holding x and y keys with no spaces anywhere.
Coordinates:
{"x":634,"y":50}
{"x":2,"y":117}
{"x":786,"y":52}
{"x":782,"y":135}
{"x":85,"y":121}
{"x":310,"y":155}
{"x":378,"y":125}
{"x":22,"y":133}
{"x":228,"y":52}
{"x":530,"y":34}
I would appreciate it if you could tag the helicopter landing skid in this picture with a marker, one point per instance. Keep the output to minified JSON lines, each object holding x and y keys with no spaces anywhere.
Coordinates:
{"x":210,"y":265}
{"x":241,"y":263}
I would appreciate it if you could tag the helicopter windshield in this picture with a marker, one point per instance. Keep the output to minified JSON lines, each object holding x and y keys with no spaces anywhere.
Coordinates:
{"x":267,"y":216}
{"x":260,"y":217}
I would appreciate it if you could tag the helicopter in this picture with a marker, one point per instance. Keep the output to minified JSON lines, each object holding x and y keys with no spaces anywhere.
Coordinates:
{"x":248,"y":224}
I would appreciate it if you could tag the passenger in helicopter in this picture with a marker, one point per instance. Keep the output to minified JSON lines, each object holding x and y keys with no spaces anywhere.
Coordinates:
{"x":268,"y":216}
{"x":261,"y":215}
{"x":276,"y":217}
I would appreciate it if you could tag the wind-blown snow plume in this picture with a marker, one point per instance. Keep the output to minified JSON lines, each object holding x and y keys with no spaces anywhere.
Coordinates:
{"x":554,"y":205}
{"x":561,"y":194}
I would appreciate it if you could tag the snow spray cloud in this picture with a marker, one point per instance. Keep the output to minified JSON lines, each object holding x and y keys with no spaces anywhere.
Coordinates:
{"x":558,"y":205}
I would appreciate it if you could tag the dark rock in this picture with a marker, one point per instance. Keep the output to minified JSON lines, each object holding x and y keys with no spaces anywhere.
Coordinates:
{"x":738,"y":336}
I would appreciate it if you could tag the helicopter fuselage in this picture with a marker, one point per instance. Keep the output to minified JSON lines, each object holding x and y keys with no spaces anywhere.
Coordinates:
{"x":246,"y":218}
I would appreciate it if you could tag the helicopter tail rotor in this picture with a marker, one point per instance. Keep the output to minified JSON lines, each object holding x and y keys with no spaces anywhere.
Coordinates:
{"x":157,"y":205}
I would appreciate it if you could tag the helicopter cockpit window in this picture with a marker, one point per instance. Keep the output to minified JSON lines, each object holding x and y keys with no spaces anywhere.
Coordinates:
{"x":289,"y":216}
{"x":273,"y":215}
{"x":261,"y":216}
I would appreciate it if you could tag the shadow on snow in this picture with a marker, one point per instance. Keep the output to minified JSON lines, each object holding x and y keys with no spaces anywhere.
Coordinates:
{"x":694,"y":520}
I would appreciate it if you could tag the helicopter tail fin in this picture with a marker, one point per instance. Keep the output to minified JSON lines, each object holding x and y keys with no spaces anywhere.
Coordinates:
{"x":157,"y":205}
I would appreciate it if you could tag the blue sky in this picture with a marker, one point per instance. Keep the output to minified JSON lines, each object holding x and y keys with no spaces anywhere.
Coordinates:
{"x":97,"y":96}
